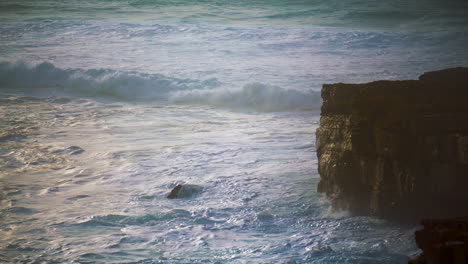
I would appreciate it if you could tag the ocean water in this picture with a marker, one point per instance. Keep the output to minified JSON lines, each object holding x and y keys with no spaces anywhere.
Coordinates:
{"x":105,"y":106}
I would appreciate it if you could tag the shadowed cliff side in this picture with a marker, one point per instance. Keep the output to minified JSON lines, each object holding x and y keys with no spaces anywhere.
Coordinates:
{"x":443,"y":241}
{"x":396,"y":149}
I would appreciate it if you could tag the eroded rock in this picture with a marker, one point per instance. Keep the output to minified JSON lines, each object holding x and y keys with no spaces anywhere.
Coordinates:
{"x":396,"y":149}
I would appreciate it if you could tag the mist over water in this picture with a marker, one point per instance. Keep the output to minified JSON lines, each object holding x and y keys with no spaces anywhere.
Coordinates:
{"x":105,"y":106}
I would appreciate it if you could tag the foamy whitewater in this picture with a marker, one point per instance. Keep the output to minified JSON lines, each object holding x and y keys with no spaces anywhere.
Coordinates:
{"x":105,"y":106}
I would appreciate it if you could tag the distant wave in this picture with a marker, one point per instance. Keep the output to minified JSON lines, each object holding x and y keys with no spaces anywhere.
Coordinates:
{"x":46,"y":79}
{"x":418,"y":14}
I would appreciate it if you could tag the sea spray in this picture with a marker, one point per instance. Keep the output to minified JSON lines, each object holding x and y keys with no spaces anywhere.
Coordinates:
{"x":254,"y":96}
{"x":211,"y":93}
{"x":141,"y":87}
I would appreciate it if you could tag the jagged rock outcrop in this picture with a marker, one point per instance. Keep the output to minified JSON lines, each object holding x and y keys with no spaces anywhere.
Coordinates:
{"x":396,"y":149}
{"x":443,"y":241}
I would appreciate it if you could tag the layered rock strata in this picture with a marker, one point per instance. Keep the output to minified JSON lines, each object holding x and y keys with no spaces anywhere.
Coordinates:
{"x":396,"y":149}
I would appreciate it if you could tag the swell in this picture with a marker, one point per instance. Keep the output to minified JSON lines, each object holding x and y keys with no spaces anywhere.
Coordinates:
{"x":45,"y":79}
{"x":419,"y":14}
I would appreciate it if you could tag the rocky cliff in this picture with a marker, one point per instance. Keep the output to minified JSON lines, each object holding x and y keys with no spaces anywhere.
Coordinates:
{"x":396,"y":149}
{"x":443,"y":241}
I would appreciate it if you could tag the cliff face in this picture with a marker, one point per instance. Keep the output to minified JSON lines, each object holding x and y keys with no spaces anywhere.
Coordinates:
{"x":396,"y":149}
{"x":443,"y":242}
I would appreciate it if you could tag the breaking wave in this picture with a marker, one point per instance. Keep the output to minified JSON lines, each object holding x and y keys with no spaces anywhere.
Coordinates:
{"x":130,"y":86}
{"x":46,"y":79}
{"x":256,"y":96}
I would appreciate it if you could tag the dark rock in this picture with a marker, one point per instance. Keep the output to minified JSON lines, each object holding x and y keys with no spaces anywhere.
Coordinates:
{"x":443,"y":241}
{"x":174,"y":192}
{"x":72,"y":150}
{"x":396,"y":149}
{"x":184,"y":191}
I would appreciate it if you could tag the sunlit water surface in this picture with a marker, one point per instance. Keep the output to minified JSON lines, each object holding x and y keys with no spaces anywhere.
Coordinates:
{"x":105,"y":106}
{"x":86,"y":182}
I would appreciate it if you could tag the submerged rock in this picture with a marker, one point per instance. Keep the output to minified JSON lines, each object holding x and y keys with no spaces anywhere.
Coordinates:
{"x":396,"y":149}
{"x":72,"y":150}
{"x":184,"y":191}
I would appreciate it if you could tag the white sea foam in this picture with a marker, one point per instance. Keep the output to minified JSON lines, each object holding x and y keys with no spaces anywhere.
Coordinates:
{"x":133,"y":86}
{"x":165,"y":69}
{"x":256,"y":96}
{"x":91,"y":82}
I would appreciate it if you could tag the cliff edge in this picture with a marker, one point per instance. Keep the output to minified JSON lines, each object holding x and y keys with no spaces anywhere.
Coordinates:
{"x":396,"y":149}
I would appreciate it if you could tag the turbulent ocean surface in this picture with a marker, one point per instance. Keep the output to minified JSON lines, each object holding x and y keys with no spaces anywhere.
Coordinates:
{"x":105,"y":106}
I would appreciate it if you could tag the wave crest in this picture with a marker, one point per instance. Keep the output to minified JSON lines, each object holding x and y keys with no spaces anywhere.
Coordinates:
{"x":46,"y":79}
{"x":94,"y":82}
{"x":257,"y":96}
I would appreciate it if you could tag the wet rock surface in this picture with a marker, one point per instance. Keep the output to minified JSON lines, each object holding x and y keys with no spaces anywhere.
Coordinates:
{"x":184,"y":191}
{"x":396,"y":149}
